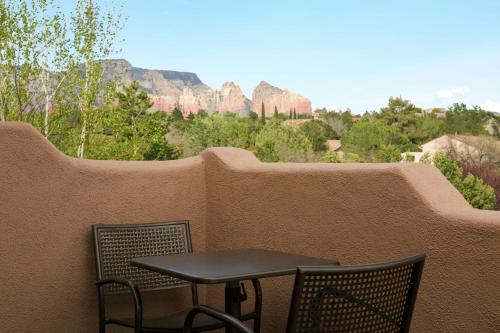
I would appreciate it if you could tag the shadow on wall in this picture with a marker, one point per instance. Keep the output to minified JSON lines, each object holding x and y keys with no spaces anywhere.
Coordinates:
{"x":357,"y":213}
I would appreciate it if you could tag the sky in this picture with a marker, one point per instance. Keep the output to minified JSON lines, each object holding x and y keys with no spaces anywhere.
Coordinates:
{"x":339,"y":54}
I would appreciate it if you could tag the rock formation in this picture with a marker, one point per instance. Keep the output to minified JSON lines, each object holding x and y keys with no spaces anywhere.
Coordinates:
{"x":283,"y":100}
{"x":168,"y":89}
{"x":230,"y":98}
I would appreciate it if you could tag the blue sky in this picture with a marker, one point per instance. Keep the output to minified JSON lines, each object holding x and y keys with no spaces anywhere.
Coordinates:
{"x":337,"y":53}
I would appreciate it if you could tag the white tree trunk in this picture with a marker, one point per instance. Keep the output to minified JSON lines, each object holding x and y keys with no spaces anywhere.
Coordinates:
{"x":83,"y":136}
{"x":3,"y":93}
{"x":47,"y":101}
{"x":83,"y":109}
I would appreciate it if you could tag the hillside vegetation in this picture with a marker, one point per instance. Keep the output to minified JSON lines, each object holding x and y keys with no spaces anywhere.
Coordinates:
{"x":52,"y":77}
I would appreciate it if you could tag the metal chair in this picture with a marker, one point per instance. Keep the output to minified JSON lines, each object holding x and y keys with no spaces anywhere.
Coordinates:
{"x":115,"y":245}
{"x":376,"y":298}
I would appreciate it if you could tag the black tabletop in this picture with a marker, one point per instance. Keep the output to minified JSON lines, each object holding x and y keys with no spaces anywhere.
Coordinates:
{"x":230,"y":265}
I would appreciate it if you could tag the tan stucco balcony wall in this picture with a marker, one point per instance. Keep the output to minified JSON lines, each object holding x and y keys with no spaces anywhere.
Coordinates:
{"x":357,"y":213}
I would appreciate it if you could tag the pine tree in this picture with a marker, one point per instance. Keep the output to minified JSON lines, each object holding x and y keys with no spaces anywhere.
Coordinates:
{"x":290,"y":113}
{"x":263,"y":113}
{"x":177,"y":114}
{"x":275,"y":111}
{"x":294,"y":114}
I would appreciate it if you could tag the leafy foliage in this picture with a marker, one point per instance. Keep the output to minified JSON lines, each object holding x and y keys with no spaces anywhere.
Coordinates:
{"x":461,"y":120}
{"x":51,"y":75}
{"x":50,"y":62}
{"x":367,"y":139}
{"x":221,"y":130}
{"x":389,"y":153}
{"x":340,"y":122}
{"x":276,"y":142}
{"x":318,"y":132}
{"x":489,"y":174}
{"x":330,"y":157}
{"x":478,"y":194}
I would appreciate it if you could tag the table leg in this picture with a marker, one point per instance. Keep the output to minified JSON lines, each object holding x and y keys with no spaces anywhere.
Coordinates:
{"x":233,"y":302}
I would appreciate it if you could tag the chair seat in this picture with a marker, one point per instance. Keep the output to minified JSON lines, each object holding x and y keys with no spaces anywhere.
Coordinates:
{"x":174,"y":322}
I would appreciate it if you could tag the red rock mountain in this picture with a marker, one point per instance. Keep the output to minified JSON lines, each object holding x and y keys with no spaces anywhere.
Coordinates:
{"x":282,"y":100}
{"x":168,"y":89}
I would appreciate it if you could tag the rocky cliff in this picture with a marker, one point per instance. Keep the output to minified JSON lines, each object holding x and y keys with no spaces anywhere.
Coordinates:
{"x":283,"y":100}
{"x":168,"y":89}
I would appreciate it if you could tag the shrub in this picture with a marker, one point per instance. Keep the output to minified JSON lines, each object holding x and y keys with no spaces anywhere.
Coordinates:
{"x":488,"y":174}
{"x":317,"y":132}
{"x":279,"y":143}
{"x":330,"y":157}
{"x":473,"y":189}
{"x":389,"y":153}
{"x":477,"y":193}
{"x":374,"y":142}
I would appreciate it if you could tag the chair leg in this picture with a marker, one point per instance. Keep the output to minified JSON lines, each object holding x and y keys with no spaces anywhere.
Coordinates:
{"x":102,"y":327}
{"x":258,"y":305}
{"x":102,"y":316}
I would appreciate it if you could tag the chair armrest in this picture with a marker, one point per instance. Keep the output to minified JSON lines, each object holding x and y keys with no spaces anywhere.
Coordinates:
{"x":229,"y":320}
{"x":134,"y":290}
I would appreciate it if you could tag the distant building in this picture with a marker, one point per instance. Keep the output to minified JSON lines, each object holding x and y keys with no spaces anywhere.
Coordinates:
{"x":355,"y":118}
{"x":334,"y":145}
{"x":474,"y":147}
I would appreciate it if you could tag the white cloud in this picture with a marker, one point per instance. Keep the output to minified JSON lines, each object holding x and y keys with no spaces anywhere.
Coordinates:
{"x":491,"y":106}
{"x":448,"y":93}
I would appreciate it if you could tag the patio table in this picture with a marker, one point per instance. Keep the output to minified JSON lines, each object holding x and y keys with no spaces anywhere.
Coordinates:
{"x":229,"y":267}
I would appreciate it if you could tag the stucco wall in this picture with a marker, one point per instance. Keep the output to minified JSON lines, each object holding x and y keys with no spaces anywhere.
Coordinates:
{"x":357,"y":213}
{"x":48,"y":203}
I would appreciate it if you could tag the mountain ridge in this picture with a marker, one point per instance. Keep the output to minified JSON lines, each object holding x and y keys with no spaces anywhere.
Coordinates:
{"x":169,"y":89}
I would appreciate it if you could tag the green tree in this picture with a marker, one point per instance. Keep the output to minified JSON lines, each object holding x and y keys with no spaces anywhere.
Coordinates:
{"x":252,"y":115}
{"x":50,"y":76}
{"x":275,"y":111}
{"x":221,"y":130}
{"x":366,"y":139}
{"x":94,"y":35}
{"x":389,"y":153}
{"x":478,"y":194}
{"x":277,"y":142}
{"x":19,"y":58}
{"x":202,"y":113}
{"x":133,"y":101}
{"x":290,"y":116}
{"x":397,"y":106}
{"x":177,"y":115}
{"x":55,"y":56}
{"x":461,"y":120}
{"x":401,"y":114}
{"x":426,"y":128}
{"x":339,"y":122}
{"x":129,"y":132}
{"x":330,"y":157}
{"x":32,"y":41}
{"x":317,"y":132}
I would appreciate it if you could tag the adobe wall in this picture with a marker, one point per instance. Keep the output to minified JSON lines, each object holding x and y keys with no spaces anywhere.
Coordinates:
{"x":49,"y":201}
{"x":361,"y":213}
{"x":357,"y":213}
